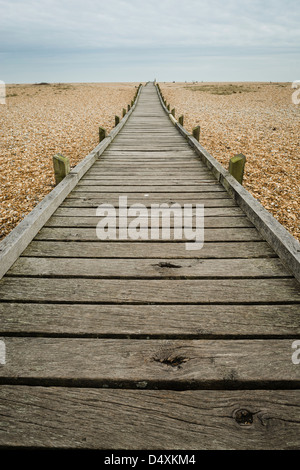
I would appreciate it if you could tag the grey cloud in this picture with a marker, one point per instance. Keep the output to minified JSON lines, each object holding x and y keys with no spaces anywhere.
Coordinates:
{"x":158,"y":33}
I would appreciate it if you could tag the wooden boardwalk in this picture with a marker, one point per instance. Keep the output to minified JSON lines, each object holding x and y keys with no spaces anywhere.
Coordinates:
{"x":143,"y":344}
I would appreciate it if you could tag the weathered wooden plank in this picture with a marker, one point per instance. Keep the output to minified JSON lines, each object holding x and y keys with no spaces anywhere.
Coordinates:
{"x":151,"y":133}
{"x":149,"y":164}
{"x":184,"y":157}
{"x":185,"y":153}
{"x":183,"y":364}
{"x":210,"y":222}
{"x":139,"y":167}
{"x":151,"y":160}
{"x":148,"y":321}
{"x":150,"y":174}
{"x":89,"y":234}
{"x":137,"y":126}
{"x":150,"y":188}
{"x":138,"y":419}
{"x":156,"y":140}
{"x":163,"y":182}
{"x":150,"y":147}
{"x":135,"y":129}
{"x":93,"y":202}
{"x":145,"y":168}
{"x":150,"y":291}
{"x":147,"y":250}
{"x":148,"y":179}
{"x":148,"y":198}
{"x":152,"y":269}
{"x":143,"y":139}
{"x":87,"y":212}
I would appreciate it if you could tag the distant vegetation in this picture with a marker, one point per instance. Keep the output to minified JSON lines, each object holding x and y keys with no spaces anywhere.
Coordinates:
{"x":230,"y":88}
{"x":224,"y":89}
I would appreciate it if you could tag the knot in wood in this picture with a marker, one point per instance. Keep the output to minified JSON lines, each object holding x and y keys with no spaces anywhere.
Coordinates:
{"x":243,"y":417}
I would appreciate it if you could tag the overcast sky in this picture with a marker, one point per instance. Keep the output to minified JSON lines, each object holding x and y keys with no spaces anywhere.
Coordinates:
{"x":133,"y":40}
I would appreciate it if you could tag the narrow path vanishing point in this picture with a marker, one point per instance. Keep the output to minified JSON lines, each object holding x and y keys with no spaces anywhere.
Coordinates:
{"x":143,"y":344}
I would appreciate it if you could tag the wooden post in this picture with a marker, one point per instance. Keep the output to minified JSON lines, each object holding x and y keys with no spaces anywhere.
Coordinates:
{"x":168,"y":107}
{"x":196,"y":133}
{"x":123,"y":112}
{"x":128,"y":107}
{"x":237,"y":167}
{"x":61,"y":166}
{"x":132,"y":103}
{"x":102,"y":133}
{"x":180,"y":120}
{"x":173,"y":112}
{"x":117,"y":120}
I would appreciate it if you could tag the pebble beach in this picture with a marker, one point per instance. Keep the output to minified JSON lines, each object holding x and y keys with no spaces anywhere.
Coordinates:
{"x":40,"y":120}
{"x":258,"y":120}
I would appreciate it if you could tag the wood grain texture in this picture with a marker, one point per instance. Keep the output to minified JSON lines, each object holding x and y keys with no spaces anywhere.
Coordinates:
{"x":138,"y":419}
{"x":175,"y":364}
{"x":149,"y":198}
{"x":151,"y":321}
{"x":89,"y":234}
{"x":219,"y":212}
{"x":91,"y":222}
{"x":155,"y":181}
{"x":139,"y":187}
{"x":148,"y":269}
{"x":145,"y":250}
{"x":150,"y":291}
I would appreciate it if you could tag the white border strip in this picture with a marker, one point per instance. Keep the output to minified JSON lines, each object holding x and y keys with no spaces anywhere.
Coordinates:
{"x":282,"y":242}
{"x":19,"y":238}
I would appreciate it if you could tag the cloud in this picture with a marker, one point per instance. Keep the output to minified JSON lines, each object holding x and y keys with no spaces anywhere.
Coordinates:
{"x":71,"y":24}
{"x":153,"y":34}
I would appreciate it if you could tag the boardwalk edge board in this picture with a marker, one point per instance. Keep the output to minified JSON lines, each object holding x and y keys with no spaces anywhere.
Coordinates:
{"x":19,"y":238}
{"x":282,"y":242}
